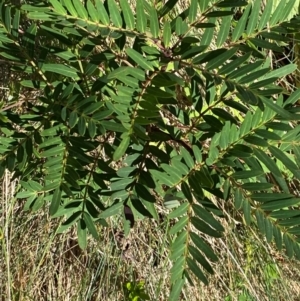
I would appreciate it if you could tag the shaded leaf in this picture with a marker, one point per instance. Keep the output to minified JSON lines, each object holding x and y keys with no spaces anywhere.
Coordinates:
{"x":55,"y":201}
{"x":90,"y":225}
{"x":196,"y":270}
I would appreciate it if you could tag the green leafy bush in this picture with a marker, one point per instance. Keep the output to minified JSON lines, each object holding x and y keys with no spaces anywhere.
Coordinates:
{"x":146,"y":104}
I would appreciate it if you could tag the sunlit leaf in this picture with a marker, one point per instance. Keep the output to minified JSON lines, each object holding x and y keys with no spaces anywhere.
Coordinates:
{"x":128,"y":15}
{"x":115,"y":15}
{"x":113,"y":210}
{"x":61,"y":69}
{"x":121,"y":149}
{"x":139,"y":59}
{"x":81,"y":233}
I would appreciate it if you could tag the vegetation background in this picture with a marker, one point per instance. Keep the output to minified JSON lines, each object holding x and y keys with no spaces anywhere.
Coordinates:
{"x":41,"y":262}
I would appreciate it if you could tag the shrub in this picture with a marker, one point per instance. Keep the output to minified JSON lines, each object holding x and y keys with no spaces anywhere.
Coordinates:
{"x":144,"y":104}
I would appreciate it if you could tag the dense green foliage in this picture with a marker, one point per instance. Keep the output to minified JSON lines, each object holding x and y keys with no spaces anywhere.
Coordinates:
{"x":143,"y":105}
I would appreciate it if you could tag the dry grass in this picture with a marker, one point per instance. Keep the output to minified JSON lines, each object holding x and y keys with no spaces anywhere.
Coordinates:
{"x":36,"y":264}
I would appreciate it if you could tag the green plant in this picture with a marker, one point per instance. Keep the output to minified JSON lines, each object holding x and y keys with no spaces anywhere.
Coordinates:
{"x":139,"y":106}
{"x":135,"y":291}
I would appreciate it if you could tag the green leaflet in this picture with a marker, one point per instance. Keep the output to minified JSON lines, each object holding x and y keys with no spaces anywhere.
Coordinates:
{"x":253,"y":76}
{"x":278,"y":13}
{"x":25,"y":194}
{"x":119,"y":72}
{"x":182,"y":222}
{"x":81,"y":125}
{"x":186,"y":191}
{"x":70,"y":8}
{"x":285,"y":160}
{"x":257,"y":186}
{"x":203,"y":214}
{"x":115,"y":15}
{"x":151,"y":208}
{"x":177,"y":269}
{"x":240,"y":27}
{"x":204,"y":227}
{"x":141,"y":21}
{"x":247,"y":212}
{"x":200,"y":259}
{"x":293,"y":97}
{"x":219,"y":60}
{"x":175,"y":176}
{"x":260,"y":221}
{"x":154,"y":25}
{"x":82,"y":13}
{"x":101,"y":11}
{"x":245,"y":174}
{"x":265,"y":44}
{"x":139,"y":59}
{"x":58,"y":7}
{"x":81,"y":233}
{"x":245,"y":69}
{"x":121,"y":184}
{"x":226,"y":69}
{"x":269,"y":230}
{"x":128,"y":15}
{"x":224,"y":30}
{"x":61,"y":69}
{"x":266,"y":197}
{"x":193,"y":10}
{"x":167,"y":34}
{"x":176,"y":289}
{"x":71,"y":220}
{"x":207,"y":37}
{"x":268,"y":161}
{"x":147,"y":199}
{"x":279,"y":110}
{"x":288,"y":245}
{"x":204,"y":247}
{"x":143,"y":192}
{"x":162,"y":178}
{"x":55,"y":201}
{"x":121,"y":149}
{"x":203,"y":5}
{"x":196,"y":186}
{"x":177,"y":251}
{"x":112,"y":210}
{"x":281,"y":72}
{"x":90,"y":225}
{"x":196,"y":270}
{"x":254,"y":17}
{"x":265,"y":15}
{"x":182,"y":209}
{"x":236,"y":3}
{"x":92,"y":11}
{"x":167,"y":7}
{"x":92,"y":128}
